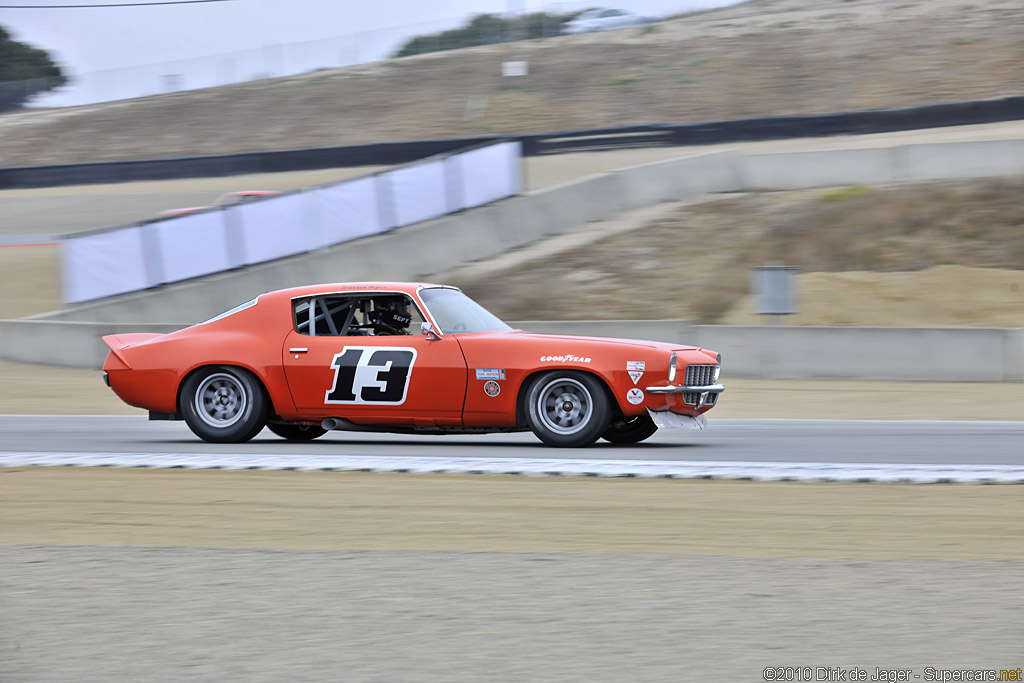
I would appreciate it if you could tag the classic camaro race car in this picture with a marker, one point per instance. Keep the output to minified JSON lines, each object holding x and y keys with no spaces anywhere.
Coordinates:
{"x":407,"y":358}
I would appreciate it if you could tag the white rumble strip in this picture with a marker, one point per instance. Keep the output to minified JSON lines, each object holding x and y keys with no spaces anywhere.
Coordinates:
{"x":668,"y":469}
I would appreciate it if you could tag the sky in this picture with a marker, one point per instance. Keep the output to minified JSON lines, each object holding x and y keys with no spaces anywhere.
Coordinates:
{"x":252,"y":36}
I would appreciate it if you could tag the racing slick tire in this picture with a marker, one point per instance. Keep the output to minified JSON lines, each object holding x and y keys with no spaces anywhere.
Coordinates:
{"x":294,"y":432}
{"x":567,"y":409}
{"x":631,"y":430}
{"x":223,"y":404}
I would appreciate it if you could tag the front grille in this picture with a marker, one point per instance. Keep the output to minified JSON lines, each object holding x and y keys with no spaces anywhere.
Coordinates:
{"x":691,"y":398}
{"x":699,"y":375}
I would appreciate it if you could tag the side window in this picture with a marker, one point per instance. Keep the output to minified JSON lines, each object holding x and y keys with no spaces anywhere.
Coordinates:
{"x":392,"y":314}
{"x":356,"y":316}
{"x":325,"y":315}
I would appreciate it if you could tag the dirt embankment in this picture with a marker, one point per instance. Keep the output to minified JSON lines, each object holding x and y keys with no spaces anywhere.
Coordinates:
{"x":295,"y":511}
{"x":916,"y":255}
{"x":759,"y":58}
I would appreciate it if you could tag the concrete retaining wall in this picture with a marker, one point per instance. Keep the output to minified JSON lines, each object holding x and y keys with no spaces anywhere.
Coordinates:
{"x":71,"y":344}
{"x":938,"y":161}
{"x":861,"y":353}
{"x":868,"y":353}
{"x":949,"y":354}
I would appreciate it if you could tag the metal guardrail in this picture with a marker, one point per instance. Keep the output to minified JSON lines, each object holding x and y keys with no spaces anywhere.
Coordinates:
{"x":714,"y":132}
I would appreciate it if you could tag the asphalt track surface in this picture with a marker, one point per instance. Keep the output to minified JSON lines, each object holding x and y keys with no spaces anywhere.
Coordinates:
{"x":802,"y":441}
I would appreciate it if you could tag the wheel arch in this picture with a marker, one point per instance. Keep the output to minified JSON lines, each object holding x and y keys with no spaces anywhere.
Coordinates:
{"x":199,"y":368}
{"x":529,"y":379}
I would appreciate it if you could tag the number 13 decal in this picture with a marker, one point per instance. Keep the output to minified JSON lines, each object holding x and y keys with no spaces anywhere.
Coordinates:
{"x":371,"y":375}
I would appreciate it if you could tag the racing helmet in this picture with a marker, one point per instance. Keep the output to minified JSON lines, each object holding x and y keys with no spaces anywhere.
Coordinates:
{"x":391,"y":316}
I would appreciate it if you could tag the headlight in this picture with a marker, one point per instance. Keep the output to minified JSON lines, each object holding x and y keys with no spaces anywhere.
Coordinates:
{"x":718,"y":369}
{"x":672,"y":367}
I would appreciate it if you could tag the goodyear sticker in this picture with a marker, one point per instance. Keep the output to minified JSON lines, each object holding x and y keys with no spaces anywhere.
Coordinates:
{"x":635,"y":396}
{"x":492,"y":388}
{"x":490,"y":373}
{"x":564,"y":359}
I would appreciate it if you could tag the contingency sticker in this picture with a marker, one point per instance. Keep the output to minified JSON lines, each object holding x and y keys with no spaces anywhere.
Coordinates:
{"x":635,"y":396}
{"x":635,"y":368}
{"x":492,"y":388}
{"x":490,"y":373}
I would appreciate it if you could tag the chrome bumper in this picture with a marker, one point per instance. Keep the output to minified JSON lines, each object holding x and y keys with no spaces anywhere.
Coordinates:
{"x":704,"y":391}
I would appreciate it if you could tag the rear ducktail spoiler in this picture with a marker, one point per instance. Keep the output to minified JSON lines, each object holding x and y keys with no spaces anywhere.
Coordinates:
{"x":119,"y":342}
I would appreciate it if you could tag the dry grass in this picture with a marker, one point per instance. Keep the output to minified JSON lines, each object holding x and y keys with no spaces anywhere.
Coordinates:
{"x":977,"y":224}
{"x":694,"y":264}
{"x":759,"y":58}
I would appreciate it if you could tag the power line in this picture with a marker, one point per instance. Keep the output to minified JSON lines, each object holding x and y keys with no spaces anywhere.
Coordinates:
{"x":121,"y":4}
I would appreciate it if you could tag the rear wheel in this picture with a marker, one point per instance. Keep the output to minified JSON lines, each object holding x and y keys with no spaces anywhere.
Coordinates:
{"x":567,"y":408}
{"x":630,"y":430}
{"x":294,"y":432}
{"x":223,"y":404}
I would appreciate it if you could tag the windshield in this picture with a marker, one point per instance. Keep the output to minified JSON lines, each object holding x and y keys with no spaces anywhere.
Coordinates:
{"x":455,"y":312}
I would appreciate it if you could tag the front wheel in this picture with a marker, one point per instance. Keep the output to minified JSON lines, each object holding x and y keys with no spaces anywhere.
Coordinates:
{"x":567,"y":409}
{"x":294,"y":432}
{"x":631,"y":430}
{"x":223,"y":404}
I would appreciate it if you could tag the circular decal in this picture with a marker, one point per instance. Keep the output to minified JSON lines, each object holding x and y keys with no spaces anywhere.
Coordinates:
{"x":635,"y":396}
{"x":492,"y":388}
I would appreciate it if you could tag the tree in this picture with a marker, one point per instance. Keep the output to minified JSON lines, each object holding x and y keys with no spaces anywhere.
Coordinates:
{"x":25,"y":71}
{"x":487,"y":29}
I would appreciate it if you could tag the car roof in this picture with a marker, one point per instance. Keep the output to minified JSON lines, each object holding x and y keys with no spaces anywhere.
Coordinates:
{"x":349,"y":288}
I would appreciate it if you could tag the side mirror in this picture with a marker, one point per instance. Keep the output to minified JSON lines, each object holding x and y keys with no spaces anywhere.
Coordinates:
{"x":427,"y":330}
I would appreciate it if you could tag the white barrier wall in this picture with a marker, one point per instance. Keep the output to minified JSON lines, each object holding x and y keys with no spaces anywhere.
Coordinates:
{"x":477,"y":183}
{"x":103,"y":264}
{"x":274,"y":228}
{"x":414,"y":194}
{"x":190,"y":246}
{"x":344,"y":212}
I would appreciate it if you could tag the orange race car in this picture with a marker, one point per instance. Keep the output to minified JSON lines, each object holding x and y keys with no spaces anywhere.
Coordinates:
{"x":410,"y":358}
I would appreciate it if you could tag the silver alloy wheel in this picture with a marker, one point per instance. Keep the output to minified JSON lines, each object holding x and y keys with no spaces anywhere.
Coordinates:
{"x":221,"y":400}
{"x":564,"y":405}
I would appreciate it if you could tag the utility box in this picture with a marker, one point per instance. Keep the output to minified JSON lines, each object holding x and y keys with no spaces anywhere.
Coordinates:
{"x":774,"y":289}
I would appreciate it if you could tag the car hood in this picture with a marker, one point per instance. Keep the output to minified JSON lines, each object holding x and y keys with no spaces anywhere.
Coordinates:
{"x":637,"y":343}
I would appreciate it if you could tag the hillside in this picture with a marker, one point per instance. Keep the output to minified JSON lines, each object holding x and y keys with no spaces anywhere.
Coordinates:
{"x":763,"y":57}
{"x":914,"y":255}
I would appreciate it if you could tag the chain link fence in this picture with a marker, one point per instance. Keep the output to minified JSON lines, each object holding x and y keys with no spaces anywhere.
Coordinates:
{"x":289,"y":59}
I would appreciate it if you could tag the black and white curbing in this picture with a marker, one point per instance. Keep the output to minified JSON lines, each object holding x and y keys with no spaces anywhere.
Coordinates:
{"x":666,"y":469}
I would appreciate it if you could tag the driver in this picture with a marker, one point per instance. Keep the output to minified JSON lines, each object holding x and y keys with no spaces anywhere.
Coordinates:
{"x":390,"y":316}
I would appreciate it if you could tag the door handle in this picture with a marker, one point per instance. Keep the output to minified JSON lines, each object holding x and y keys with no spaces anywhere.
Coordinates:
{"x":298,"y":350}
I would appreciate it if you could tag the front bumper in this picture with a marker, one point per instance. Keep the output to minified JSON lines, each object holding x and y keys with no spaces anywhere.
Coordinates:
{"x":700,"y":393}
